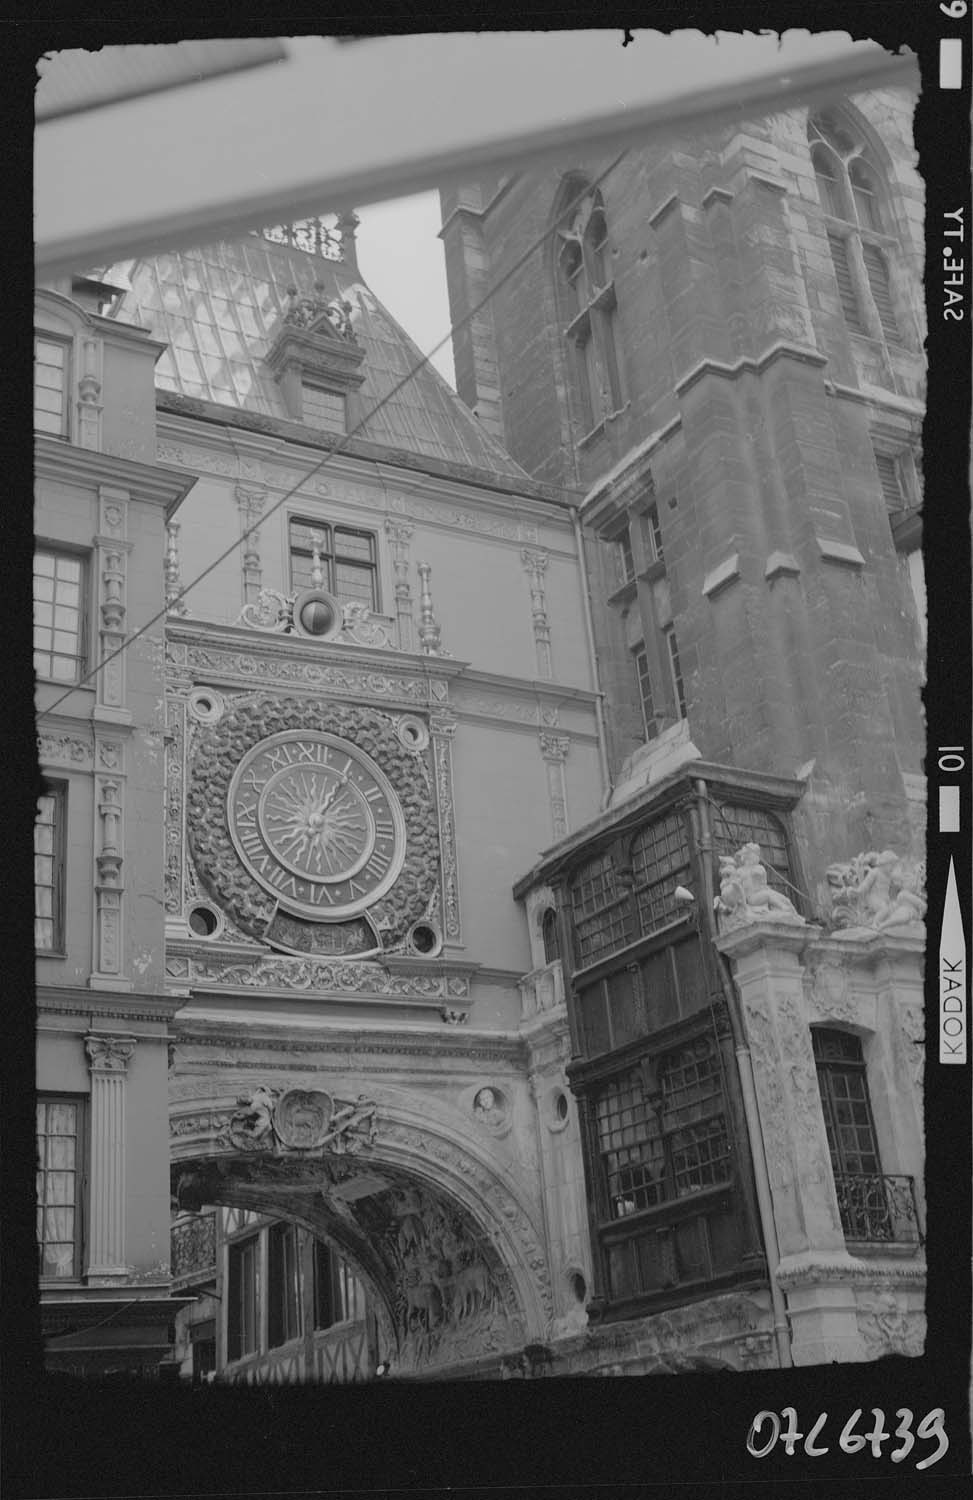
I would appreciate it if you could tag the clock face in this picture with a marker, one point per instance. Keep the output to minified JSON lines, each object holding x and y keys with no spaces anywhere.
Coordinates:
{"x":316,"y":823}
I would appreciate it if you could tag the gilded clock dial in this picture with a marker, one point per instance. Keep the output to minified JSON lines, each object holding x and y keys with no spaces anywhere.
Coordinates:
{"x":316,"y":822}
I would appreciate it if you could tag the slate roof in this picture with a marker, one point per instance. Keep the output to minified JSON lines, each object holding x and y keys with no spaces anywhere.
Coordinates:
{"x":219,"y":308}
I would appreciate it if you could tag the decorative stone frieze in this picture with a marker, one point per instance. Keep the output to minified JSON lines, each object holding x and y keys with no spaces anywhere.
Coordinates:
{"x":554,"y":749}
{"x":535,"y":563}
{"x":454,"y":518}
{"x":340,"y":680}
{"x":877,"y":890}
{"x":63,"y":749}
{"x":108,"y":1059}
{"x":745,"y":895}
{"x":301,"y":1120}
{"x":284,"y":974}
{"x":399,"y":533}
{"x":542,"y":991}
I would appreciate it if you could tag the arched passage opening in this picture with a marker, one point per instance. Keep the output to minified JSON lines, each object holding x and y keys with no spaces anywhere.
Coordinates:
{"x":445,"y":1253}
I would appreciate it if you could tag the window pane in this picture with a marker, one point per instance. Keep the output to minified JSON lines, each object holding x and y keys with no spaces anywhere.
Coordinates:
{"x":44,"y":587}
{"x":44,"y":565}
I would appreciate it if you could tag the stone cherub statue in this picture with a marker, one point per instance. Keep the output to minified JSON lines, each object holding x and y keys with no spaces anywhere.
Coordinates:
{"x":745,"y":895}
{"x":876,"y":890}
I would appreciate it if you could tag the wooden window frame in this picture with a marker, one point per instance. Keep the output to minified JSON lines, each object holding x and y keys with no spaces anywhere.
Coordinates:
{"x":64,"y":432}
{"x":80,"y":656}
{"x":58,"y":790}
{"x":284,"y":1301}
{"x":243,"y":1253}
{"x":331,"y":557}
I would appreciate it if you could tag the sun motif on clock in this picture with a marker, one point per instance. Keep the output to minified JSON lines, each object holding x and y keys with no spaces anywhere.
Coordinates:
{"x":317,"y":823}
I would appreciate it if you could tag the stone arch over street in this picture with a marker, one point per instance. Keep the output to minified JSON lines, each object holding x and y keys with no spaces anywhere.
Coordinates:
{"x":441,"y":1237}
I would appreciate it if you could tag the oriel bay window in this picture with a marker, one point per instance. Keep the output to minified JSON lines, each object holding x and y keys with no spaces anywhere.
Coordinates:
{"x":670,"y":1191}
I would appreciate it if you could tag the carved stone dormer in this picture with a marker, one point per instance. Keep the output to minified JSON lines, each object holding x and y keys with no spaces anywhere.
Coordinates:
{"x":315,"y":350}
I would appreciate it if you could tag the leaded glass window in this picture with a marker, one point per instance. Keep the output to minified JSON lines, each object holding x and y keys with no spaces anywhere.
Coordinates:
{"x":599,"y":912}
{"x":660,"y":862}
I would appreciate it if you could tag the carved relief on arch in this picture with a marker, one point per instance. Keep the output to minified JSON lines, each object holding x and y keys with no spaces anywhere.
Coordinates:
{"x":454,"y":1178}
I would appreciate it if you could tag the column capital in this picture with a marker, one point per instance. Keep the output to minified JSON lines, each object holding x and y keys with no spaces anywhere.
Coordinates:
{"x":535,"y":561}
{"x":555,"y":747}
{"x":108,"y":1053}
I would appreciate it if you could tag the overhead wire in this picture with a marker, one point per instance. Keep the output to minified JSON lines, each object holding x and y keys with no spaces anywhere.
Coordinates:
{"x":340,"y":446}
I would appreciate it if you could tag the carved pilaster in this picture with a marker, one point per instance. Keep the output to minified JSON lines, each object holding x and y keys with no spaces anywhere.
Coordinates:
{"x":108,"y":1058}
{"x":112,"y":549}
{"x":399,"y":534}
{"x":109,"y":845}
{"x":250,"y":502}
{"x":89,"y":393}
{"x":535,"y":564}
{"x":173,"y":581}
{"x":174,"y":815}
{"x":442,"y":730}
{"x":554,"y":749}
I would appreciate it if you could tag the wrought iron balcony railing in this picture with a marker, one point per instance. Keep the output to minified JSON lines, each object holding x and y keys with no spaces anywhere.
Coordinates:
{"x":193,"y":1247}
{"x":880,"y":1209}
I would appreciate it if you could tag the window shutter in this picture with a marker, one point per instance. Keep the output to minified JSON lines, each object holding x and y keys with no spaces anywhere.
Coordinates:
{"x":878,"y":279}
{"x":889,"y":477}
{"x":846,"y":285}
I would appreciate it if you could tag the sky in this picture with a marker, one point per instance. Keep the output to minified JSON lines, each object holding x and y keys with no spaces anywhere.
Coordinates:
{"x":402,"y":261}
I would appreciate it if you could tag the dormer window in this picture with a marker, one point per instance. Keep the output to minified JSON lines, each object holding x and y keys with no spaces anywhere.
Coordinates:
{"x":51,"y":387}
{"x":324,"y":409}
{"x":317,"y":360}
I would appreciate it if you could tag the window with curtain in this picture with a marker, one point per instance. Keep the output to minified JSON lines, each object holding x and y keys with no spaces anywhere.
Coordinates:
{"x":59,"y":1186}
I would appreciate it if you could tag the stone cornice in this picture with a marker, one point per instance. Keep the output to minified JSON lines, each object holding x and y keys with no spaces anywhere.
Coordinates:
{"x":792,"y":935}
{"x":628,"y":472}
{"x":67,"y":1000}
{"x":230,"y":418}
{"x":155,"y":483}
{"x":272,"y":647}
{"x":412,"y":1043}
{"x":749,"y":364}
{"x":820,"y":1267}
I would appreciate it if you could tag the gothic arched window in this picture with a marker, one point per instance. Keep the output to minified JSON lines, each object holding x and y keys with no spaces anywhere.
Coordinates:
{"x":852,"y":194}
{"x":586,"y":303}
